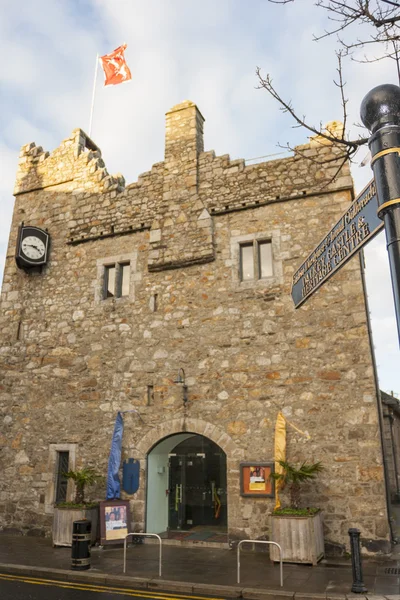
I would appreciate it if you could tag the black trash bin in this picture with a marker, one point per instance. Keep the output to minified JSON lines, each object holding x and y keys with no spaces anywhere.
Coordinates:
{"x":81,"y":537}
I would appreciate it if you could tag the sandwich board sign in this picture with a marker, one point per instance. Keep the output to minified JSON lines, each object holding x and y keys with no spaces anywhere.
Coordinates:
{"x":357,"y":226}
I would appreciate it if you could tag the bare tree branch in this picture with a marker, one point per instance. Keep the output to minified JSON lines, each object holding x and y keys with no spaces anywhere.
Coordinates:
{"x":286,"y":106}
{"x":381,"y":30}
{"x":339,"y":161}
{"x":382,"y":15}
{"x":341,"y":85}
{"x":396,"y":52}
{"x":389,"y":2}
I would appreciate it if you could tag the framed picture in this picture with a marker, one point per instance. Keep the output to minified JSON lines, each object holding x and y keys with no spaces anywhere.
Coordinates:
{"x":255,"y":479}
{"x":114,"y":521}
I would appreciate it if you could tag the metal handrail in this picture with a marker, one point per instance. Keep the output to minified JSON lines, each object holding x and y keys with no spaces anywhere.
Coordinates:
{"x":144,"y":535}
{"x":258,"y":542}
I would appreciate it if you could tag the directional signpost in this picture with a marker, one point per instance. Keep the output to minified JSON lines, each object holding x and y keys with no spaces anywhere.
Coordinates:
{"x":357,"y":226}
{"x":377,"y":207}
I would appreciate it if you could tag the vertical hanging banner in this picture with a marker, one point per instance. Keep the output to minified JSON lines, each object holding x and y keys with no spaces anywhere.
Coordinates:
{"x":130,"y":475}
{"x":114,"y":66}
{"x":114,"y":461}
{"x":280,"y":452}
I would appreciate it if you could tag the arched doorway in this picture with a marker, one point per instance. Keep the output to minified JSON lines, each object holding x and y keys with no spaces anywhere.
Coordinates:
{"x":187,"y":488}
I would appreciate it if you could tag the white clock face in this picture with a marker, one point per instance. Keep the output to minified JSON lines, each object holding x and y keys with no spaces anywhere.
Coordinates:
{"x":33,"y":247}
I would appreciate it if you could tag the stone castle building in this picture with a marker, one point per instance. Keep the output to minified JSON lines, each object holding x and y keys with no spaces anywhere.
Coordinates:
{"x":185,"y":272}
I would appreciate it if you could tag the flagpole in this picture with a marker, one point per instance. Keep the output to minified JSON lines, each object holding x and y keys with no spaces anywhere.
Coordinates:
{"x":93,"y":95}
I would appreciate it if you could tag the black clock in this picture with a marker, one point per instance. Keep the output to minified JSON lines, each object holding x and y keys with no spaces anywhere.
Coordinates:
{"x":32,"y":247}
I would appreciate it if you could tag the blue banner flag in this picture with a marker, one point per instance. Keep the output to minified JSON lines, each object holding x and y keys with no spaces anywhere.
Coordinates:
{"x":114,"y":461}
{"x":130,"y":476}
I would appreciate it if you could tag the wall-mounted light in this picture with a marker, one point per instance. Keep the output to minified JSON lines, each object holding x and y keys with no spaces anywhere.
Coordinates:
{"x":181,"y":380}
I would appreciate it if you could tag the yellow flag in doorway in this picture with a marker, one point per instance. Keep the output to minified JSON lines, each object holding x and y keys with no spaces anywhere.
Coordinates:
{"x":280,"y":451}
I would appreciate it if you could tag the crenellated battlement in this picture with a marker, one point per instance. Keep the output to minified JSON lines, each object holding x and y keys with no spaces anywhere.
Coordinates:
{"x":77,"y":161}
{"x":178,"y":196}
{"x":222,"y":185}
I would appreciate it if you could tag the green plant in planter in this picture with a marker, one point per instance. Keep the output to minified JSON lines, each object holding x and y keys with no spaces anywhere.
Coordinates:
{"x":294,"y":477}
{"x":82,"y":478}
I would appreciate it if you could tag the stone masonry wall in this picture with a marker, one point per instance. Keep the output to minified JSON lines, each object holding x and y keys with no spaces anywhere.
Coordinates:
{"x":70,"y":360}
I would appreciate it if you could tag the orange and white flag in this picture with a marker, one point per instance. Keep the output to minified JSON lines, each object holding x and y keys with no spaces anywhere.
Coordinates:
{"x":115,"y":68}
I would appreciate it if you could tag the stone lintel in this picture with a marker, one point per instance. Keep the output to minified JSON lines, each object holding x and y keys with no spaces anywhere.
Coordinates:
{"x":181,"y":263}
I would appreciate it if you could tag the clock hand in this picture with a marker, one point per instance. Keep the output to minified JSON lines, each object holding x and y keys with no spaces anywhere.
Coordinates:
{"x":32,"y":246}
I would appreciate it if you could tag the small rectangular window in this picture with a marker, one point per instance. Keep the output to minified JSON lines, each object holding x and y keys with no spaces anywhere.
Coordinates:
{"x":150,"y":395}
{"x":62,"y":481}
{"x":124,"y":278}
{"x":109,"y":281}
{"x":256,"y":261}
{"x":153,"y":304}
{"x":265,"y":259}
{"x":116,"y":280}
{"x":246,"y":262}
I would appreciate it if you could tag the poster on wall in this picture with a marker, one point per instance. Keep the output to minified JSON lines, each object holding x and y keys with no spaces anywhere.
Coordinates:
{"x":255,"y":479}
{"x":114,"y":521}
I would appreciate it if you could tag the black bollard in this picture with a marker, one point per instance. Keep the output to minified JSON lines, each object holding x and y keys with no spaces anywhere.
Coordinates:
{"x":358,"y":586}
{"x":81,"y":537}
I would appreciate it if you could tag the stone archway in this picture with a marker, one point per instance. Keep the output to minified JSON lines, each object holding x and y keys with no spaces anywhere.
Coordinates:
{"x":234,"y":454}
{"x":182,"y":425}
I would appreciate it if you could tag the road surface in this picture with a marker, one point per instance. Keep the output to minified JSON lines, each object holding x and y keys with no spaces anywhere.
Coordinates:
{"x":19,"y":587}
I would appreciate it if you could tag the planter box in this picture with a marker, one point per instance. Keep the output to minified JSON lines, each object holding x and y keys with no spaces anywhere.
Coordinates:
{"x":301,"y":538}
{"x":63,"y":520}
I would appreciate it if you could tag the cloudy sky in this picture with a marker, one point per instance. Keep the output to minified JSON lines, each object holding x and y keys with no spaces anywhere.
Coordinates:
{"x":181,"y":49}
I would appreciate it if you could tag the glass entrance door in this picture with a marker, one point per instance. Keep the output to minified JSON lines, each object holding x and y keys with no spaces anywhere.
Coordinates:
{"x":176,"y":492}
{"x":197,"y":485}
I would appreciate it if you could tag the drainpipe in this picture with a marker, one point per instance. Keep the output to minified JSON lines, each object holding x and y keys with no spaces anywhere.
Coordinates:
{"x":379,"y":403}
{"x":396,"y":463}
{"x":394,"y":446}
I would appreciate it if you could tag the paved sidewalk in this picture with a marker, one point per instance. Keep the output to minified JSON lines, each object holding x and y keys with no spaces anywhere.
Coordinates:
{"x":201,"y":570}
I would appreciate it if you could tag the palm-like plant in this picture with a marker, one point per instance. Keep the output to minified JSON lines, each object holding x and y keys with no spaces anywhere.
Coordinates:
{"x":82,"y":478}
{"x":294,"y":477}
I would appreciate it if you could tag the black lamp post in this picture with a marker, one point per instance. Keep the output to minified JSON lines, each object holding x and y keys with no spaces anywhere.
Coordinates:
{"x":380,"y":113}
{"x":181,"y":380}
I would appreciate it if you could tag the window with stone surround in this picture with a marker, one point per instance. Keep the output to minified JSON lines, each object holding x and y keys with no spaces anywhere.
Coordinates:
{"x":61,"y":479}
{"x":116,"y":278}
{"x":59,"y":456}
{"x":256,"y":259}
